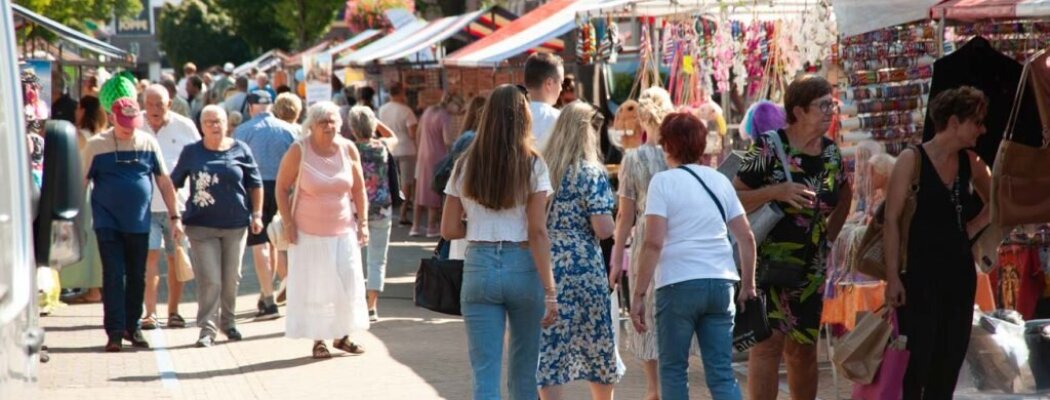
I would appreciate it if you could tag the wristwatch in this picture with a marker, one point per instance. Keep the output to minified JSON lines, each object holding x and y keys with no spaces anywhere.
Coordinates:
{"x":176,"y":217}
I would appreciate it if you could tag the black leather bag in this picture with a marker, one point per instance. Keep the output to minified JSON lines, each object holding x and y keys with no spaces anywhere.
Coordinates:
{"x":782,"y":275}
{"x":438,"y":284}
{"x":751,"y":325}
{"x":394,"y":180}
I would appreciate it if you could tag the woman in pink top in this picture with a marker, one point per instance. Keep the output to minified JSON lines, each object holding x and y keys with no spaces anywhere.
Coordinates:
{"x":326,"y":229}
{"x":435,"y":136}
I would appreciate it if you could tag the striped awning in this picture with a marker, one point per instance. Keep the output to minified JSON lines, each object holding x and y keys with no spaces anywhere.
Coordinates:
{"x":379,"y":47}
{"x":69,"y":34}
{"x":352,"y":42}
{"x":434,"y":33}
{"x":972,"y":10}
{"x":526,"y":33}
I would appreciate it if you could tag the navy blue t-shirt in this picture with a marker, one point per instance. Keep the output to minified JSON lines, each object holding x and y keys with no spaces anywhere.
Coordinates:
{"x":122,"y":172}
{"x":219,"y":184}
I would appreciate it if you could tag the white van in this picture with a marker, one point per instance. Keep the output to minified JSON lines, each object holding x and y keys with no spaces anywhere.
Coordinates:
{"x":36,"y":226}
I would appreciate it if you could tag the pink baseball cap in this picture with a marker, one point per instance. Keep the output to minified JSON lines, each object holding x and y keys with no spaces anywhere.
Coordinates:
{"x":127,"y":113}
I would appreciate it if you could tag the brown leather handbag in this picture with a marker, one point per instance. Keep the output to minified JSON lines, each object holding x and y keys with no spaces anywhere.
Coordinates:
{"x":871,"y":256}
{"x":1021,"y":175}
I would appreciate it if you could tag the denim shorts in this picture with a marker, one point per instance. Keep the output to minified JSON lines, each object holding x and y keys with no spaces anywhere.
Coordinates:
{"x":160,"y":233}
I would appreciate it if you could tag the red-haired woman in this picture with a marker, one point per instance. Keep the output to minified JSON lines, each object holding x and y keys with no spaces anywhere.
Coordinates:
{"x":690,"y":212}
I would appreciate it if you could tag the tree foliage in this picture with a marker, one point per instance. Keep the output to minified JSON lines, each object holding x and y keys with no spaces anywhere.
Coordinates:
{"x":307,"y":20}
{"x":194,"y":31}
{"x":256,"y":21}
{"x":75,"y":13}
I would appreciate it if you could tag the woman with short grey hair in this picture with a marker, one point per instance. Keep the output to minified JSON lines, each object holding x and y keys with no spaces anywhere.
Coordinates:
{"x":374,"y":162}
{"x":225,"y":202}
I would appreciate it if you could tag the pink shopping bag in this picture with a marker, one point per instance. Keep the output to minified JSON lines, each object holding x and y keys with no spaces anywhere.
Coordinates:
{"x":889,"y":380}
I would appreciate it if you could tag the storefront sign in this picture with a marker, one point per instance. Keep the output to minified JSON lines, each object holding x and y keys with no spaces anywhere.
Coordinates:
{"x":140,"y":24}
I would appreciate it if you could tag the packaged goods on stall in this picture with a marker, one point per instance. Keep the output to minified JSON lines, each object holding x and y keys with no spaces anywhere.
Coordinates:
{"x":998,"y":355}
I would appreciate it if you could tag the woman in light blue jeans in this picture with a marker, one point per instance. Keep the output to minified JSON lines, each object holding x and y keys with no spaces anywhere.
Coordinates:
{"x":501,"y":185}
{"x":690,"y":212}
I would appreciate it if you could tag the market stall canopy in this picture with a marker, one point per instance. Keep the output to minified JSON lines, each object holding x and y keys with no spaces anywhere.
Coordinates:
{"x":528,"y":32}
{"x":265,"y":62}
{"x":972,"y":10}
{"x":471,"y":25}
{"x":70,"y":35}
{"x":352,"y":42}
{"x":379,"y":47}
{"x":296,"y":60}
{"x":855,"y":17}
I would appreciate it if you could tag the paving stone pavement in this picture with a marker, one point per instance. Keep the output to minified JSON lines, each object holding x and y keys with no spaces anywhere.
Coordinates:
{"x":411,"y":354}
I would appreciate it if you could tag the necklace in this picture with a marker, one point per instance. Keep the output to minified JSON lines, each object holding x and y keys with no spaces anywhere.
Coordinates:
{"x":116,"y":151}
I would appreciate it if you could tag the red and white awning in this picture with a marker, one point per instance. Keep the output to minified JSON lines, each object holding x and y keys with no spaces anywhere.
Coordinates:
{"x":375,"y":49}
{"x":474,"y":24}
{"x":972,"y":10}
{"x":526,"y":33}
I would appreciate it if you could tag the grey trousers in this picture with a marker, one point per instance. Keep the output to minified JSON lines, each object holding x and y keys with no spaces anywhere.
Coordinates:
{"x":216,"y":255}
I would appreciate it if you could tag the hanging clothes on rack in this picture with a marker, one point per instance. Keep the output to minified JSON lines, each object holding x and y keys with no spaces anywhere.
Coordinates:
{"x":979,"y":65}
{"x":1018,"y":282}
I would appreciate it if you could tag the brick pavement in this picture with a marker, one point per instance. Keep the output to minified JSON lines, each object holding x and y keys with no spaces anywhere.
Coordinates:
{"x":412,"y":354}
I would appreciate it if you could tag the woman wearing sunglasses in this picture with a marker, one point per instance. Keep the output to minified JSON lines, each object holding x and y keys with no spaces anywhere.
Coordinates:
{"x":501,"y":185}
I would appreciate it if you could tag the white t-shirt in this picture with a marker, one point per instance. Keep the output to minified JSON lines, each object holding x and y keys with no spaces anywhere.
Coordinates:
{"x":697,"y":244}
{"x":543,"y":119}
{"x":510,"y":225}
{"x":398,"y":117}
{"x":172,"y":138}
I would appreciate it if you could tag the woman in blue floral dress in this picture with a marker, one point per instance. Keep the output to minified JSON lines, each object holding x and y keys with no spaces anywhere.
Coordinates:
{"x":580,"y":345}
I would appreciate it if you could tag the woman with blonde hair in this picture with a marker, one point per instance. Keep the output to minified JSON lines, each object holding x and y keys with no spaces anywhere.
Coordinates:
{"x":637,"y":169}
{"x":580,"y":345}
{"x":325,"y":231}
{"x":501,"y":185}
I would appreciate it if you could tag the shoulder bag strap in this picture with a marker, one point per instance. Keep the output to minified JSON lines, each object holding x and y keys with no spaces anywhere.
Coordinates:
{"x":718,"y":204}
{"x":299,"y":176}
{"x":1011,"y":121}
{"x":778,"y":146}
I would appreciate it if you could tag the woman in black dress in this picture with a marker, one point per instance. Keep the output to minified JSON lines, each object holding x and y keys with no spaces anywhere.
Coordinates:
{"x":934,"y":290}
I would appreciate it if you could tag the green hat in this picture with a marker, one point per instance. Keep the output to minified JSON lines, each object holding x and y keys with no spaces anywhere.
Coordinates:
{"x":121,"y":85}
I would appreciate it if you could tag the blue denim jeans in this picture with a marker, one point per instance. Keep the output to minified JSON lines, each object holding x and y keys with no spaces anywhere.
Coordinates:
{"x":500,"y":283}
{"x":704,"y":308}
{"x":123,"y":278}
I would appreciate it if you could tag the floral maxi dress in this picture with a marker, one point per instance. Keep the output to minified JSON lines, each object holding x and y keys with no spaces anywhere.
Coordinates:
{"x":801,"y":237}
{"x":580,"y":344}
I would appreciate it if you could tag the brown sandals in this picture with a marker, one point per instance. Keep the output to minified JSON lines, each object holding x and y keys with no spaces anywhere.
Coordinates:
{"x":321,"y":351}
{"x":346,"y":345}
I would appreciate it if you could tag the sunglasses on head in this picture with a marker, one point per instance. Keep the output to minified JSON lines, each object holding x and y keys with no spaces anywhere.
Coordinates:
{"x":523,"y":90}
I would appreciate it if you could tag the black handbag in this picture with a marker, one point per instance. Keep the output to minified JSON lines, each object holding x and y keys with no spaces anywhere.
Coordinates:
{"x":786,"y":275}
{"x":751,"y":326}
{"x":394,"y":180}
{"x":438,"y":284}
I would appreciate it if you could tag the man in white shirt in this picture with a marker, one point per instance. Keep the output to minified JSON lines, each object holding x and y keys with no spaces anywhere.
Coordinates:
{"x":188,"y":70}
{"x":402,"y":120}
{"x":544,"y":73}
{"x":173,"y":132}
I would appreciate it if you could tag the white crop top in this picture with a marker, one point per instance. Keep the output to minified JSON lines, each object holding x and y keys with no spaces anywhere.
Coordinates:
{"x":510,"y":225}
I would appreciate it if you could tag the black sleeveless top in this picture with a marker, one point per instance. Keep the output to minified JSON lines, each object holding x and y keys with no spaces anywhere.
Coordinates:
{"x":938,"y":242}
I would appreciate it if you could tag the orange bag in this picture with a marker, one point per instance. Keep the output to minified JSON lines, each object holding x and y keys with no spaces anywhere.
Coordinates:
{"x":984,"y":299}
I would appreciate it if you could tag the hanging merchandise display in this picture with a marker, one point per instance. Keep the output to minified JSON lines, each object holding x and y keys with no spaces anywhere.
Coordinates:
{"x":888,"y":84}
{"x":818,"y":34}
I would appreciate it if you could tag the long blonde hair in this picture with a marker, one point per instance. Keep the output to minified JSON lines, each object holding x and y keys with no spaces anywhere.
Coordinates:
{"x":574,"y":140}
{"x":497,"y":167}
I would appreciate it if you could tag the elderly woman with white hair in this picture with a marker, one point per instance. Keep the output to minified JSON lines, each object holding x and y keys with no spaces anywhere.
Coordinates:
{"x":325,"y":227}
{"x":374,"y":161}
{"x":225,"y":201}
{"x":637,"y":169}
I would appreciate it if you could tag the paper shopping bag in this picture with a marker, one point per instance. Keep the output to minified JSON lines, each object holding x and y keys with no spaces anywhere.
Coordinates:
{"x":183,"y":266}
{"x":859,"y":354}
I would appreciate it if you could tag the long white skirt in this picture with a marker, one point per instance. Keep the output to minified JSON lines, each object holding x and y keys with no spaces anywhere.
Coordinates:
{"x":326,"y":288}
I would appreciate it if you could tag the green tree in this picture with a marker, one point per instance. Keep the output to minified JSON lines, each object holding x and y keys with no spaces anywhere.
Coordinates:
{"x":307,"y":20}
{"x":77,"y":13}
{"x":194,"y":31}
{"x":256,"y":21}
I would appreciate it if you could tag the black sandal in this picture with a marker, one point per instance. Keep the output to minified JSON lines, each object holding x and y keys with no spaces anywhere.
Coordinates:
{"x":321,"y":351}
{"x":346,"y":345}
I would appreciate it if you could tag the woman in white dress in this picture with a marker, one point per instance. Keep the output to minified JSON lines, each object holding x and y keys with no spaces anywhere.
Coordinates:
{"x":325,"y":230}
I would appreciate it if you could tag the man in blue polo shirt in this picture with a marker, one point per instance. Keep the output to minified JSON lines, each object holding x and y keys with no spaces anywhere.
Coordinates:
{"x":269,"y":138}
{"x":122,"y":163}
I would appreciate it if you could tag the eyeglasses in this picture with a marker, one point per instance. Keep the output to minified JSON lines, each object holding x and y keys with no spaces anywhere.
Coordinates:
{"x":213,"y":122}
{"x":827,"y":107}
{"x":116,"y":154}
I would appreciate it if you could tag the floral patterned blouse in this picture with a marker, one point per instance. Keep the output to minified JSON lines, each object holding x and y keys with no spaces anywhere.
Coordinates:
{"x":374,"y":156}
{"x":801,"y":236}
